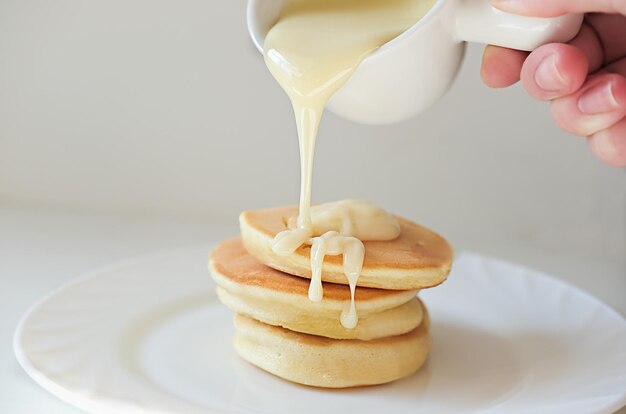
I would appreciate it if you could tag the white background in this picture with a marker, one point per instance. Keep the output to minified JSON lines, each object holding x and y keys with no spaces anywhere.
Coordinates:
{"x":158,"y":119}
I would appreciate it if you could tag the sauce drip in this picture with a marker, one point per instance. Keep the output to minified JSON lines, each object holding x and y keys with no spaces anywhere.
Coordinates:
{"x":358,"y":221}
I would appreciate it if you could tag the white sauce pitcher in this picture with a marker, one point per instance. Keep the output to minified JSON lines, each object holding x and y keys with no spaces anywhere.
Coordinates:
{"x":413,"y":71}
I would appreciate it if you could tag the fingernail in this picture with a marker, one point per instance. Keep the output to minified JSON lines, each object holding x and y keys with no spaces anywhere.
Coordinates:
{"x":547,"y":75}
{"x":598,"y":99}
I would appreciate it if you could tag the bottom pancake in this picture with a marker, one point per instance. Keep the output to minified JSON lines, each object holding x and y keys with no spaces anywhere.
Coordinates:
{"x":331,"y":363}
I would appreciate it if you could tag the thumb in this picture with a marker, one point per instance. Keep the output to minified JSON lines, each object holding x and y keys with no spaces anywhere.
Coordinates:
{"x":553,"y":8}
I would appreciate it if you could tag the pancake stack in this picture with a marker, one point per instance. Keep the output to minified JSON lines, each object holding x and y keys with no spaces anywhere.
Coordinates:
{"x":281,"y":331}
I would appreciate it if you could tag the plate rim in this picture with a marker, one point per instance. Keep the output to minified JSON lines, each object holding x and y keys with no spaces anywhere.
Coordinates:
{"x":62,"y":393}
{"x":74,"y":399}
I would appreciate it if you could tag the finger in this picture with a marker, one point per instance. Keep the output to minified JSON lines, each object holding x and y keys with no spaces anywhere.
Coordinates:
{"x":501,"y":66}
{"x":609,"y":145}
{"x":588,"y":42}
{"x":598,"y":105}
{"x":610,"y":30}
{"x":553,"y":8}
{"x":554,"y":70}
{"x":617,"y":67}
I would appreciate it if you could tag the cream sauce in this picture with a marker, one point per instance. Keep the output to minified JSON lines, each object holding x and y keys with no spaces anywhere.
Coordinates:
{"x":312,"y":51}
{"x":357,"y":221}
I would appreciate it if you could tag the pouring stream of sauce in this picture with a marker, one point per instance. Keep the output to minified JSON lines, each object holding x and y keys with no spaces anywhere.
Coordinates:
{"x":312,"y":51}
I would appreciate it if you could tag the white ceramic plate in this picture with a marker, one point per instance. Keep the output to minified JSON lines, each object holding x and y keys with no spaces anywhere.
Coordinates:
{"x":150,"y":336}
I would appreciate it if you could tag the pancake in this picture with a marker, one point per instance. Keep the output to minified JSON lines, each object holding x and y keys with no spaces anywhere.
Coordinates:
{"x":276,"y":298}
{"x":418,"y":258}
{"x":330,"y":363}
{"x":391,"y":322}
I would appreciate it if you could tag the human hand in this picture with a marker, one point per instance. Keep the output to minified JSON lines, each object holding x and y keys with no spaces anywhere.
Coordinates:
{"x":584,"y":80}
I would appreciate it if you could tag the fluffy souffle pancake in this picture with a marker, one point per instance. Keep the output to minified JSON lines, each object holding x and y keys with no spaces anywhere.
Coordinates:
{"x":331,"y":363}
{"x":418,"y":258}
{"x":273,"y":297}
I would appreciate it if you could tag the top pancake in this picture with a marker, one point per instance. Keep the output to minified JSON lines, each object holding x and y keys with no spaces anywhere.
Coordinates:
{"x":418,"y":258}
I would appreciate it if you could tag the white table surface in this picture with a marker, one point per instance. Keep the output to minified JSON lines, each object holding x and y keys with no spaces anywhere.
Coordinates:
{"x":40,"y":249}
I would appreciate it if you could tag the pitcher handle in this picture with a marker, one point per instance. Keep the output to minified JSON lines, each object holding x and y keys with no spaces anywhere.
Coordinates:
{"x":478,"y":21}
